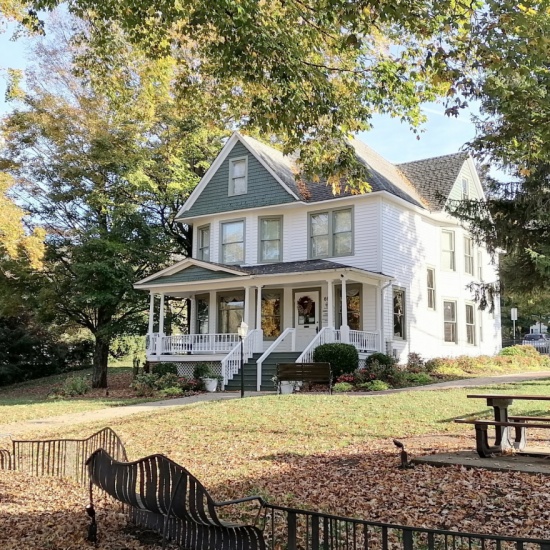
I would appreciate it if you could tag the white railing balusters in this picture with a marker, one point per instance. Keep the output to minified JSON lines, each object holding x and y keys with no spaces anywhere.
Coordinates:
{"x":287,"y":332}
{"x":231,"y":363}
{"x":362,"y":341}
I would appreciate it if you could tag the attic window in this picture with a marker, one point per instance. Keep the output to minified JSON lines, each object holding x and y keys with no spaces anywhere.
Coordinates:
{"x":238,"y":176}
{"x":465,"y":189}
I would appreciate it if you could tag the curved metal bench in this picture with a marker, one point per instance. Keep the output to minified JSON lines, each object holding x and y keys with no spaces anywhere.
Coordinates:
{"x":164,"y":496}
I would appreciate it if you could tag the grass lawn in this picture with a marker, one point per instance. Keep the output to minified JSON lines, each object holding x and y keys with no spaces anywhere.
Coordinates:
{"x":29,"y":400}
{"x":335,"y":453}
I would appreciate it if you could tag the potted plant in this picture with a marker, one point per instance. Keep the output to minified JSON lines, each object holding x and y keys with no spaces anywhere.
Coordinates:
{"x":285,"y":387}
{"x":204,"y":373}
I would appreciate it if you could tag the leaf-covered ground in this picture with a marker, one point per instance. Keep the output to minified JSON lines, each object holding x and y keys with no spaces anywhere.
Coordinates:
{"x":323,"y":453}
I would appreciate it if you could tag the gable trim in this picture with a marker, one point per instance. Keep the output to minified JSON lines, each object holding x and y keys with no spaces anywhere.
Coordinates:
{"x":184,"y":264}
{"x":222,"y":156}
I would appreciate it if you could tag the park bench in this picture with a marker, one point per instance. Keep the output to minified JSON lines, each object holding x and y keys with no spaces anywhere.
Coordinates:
{"x":502,"y":423}
{"x":313,"y":373}
{"x":164,"y":496}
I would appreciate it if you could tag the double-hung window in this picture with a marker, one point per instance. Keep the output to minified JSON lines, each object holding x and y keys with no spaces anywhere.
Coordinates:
{"x":449,"y":321}
{"x":469,"y":255}
{"x":203,"y":243}
{"x":271,"y":239}
{"x":331,"y":233}
{"x":431,"y":287}
{"x":232,"y":242}
{"x":470,"y":325}
{"x":448,"y":250}
{"x":238,"y":176}
{"x":399,"y":317}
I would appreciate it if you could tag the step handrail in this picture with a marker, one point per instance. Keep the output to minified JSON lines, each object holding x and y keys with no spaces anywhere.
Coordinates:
{"x":320,"y":338}
{"x":270,"y":350}
{"x":231,"y":363}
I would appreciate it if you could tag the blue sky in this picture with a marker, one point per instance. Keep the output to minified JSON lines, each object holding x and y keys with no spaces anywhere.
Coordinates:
{"x":391,"y":138}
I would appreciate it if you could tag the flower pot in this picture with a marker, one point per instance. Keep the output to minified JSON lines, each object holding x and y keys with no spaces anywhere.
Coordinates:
{"x":210,"y":384}
{"x":286,"y":387}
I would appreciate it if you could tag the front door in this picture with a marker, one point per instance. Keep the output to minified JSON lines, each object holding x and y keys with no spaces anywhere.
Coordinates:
{"x":306,"y":317}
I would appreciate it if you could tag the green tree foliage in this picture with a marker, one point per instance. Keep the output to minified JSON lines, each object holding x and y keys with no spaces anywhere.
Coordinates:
{"x":512,"y":83}
{"x":106,"y":161}
{"x":309,"y":71}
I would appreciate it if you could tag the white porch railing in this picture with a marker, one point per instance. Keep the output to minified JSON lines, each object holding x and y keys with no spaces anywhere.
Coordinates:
{"x":151,"y":343}
{"x":289,"y":332}
{"x":182,"y":344}
{"x":231,"y":363}
{"x":363,"y":342}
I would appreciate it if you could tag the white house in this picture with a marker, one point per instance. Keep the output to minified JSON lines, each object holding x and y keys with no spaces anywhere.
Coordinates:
{"x":385,"y":271}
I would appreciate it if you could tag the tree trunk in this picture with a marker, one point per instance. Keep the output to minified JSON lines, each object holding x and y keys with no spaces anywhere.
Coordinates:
{"x":101,"y":358}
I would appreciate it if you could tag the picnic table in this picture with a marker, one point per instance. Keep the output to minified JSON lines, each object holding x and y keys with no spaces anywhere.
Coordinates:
{"x":504,"y":423}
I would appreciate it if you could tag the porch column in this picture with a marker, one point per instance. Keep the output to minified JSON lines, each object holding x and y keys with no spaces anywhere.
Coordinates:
{"x":212,"y":313}
{"x":259,"y":306}
{"x":344,"y":329}
{"x":246,"y":312}
{"x":161,"y":325}
{"x":260,"y":339}
{"x":192,"y":315}
{"x":330,"y":303}
{"x":151,"y":313}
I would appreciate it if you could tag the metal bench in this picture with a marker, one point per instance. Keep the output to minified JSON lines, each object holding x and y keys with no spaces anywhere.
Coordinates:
{"x":165,"y":497}
{"x":315,"y":373}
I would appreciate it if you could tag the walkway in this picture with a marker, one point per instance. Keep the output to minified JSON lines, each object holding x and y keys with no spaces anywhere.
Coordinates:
{"x":18,"y":429}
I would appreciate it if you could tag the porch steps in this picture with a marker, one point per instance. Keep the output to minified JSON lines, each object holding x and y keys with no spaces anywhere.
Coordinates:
{"x":268,"y":371}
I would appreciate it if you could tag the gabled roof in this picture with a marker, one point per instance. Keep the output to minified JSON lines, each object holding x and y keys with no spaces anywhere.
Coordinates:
{"x":425,"y":183}
{"x":435,"y":176}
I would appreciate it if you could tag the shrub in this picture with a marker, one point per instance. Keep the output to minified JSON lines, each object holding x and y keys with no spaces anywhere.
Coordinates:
{"x":374,"y":385}
{"x":167,"y":381}
{"x":419,"y":379}
{"x":189,"y":384}
{"x":349,"y":378}
{"x":342,"y":387}
{"x":343,"y":358}
{"x":165,"y":368}
{"x":145,"y":384}
{"x":173,"y":391}
{"x":72,"y":386}
{"x":381,"y":358}
{"x":204,"y":370}
{"x":525,"y":351}
{"x":415,"y":363}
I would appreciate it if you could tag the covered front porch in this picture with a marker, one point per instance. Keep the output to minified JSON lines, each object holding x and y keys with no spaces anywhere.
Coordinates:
{"x":294,"y":307}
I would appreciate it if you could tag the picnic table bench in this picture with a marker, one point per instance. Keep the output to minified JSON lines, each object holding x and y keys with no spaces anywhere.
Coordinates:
{"x":315,"y":373}
{"x":504,"y":424}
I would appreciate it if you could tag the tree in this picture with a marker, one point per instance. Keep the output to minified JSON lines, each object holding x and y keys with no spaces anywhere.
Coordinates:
{"x":512,"y":87}
{"x":312,"y":72}
{"x":105,"y":167}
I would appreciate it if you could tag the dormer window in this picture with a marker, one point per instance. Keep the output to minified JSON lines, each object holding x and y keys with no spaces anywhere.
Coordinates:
{"x":238,"y":176}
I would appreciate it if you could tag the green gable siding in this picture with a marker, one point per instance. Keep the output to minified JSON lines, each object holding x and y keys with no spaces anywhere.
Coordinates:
{"x":191,"y":274}
{"x":263,"y":188}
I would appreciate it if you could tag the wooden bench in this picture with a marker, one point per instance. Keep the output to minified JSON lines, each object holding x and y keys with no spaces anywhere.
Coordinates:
{"x":164,"y":496}
{"x":314,"y":373}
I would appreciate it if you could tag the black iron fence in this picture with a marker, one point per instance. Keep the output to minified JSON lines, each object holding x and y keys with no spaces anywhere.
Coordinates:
{"x":64,"y":458}
{"x":294,"y":529}
{"x":284,"y":528}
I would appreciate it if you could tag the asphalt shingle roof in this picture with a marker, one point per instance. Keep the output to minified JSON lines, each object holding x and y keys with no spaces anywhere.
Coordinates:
{"x":434,"y":176}
{"x":422,"y":183}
